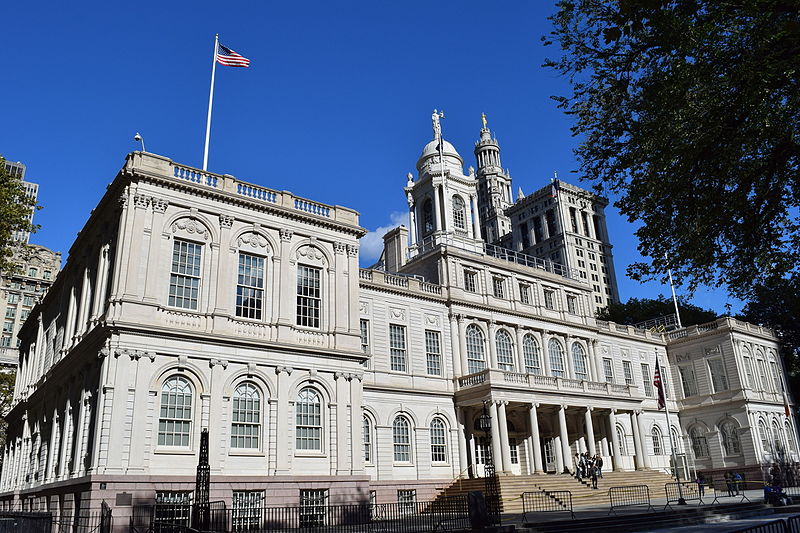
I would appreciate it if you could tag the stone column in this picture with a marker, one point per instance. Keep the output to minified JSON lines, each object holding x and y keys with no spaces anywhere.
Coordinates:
{"x":462,"y":345}
{"x":643,"y":434}
{"x":412,"y":223}
{"x":615,"y":457}
{"x":342,"y":397}
{"x":455,"y":346}
{"x":559,"y":455}
{"x":522,"y":368}
{"x":570,"y":364}
{"x":497,"y":452}
{"x":463,"y":459}
{"x":356,"y":427}
{"x":437,"y":207}
{"x":590,"y":431}
{"x":476,"y":222}
{"x":536,"y":445}
{"x":564,"y":436}
{"x":492,"y":346}
{"x":545,"y":356}
{"x":505,"y":446}
{"x":593,"y":358}
{"x":284,"y":435}
{"x":637,"y":442}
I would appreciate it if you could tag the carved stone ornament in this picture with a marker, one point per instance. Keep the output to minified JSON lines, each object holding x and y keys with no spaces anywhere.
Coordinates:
{"x":339,"y":248}
{"x":221,"y":362}
{"x":310,"y":253}
{"x":141,"y":201}
{"x":191,"y":226}
{"x":363,"y":308}
{"x":225,"y":221}
{"x":286,"y":234}
{"x":254,"y":240}
{"x":713,"y":350}
{"x":432,"y":320}
{"x":160,"y":205}
{"x":123,"y":200}
{"x":397,"y":313}
{"x":352,"y":250}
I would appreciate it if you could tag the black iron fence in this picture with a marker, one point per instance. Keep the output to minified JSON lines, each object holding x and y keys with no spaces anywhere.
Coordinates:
{"x":546,"y":501}
{"x":687,"y":490}
{"x":629,"y":496}
{"x":81,"y":521}
{"x":783,"y":525}
{"x":445,"y":514}
{"x":729,"y":488}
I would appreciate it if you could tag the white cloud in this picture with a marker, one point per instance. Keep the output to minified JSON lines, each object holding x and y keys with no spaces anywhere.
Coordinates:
{"x":372,"y":243}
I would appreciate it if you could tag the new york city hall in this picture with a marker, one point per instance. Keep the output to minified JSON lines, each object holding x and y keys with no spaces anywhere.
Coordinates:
{"x":194,"y":300}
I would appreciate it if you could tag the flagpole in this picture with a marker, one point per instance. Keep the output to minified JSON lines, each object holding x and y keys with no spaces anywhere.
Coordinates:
{"x":681,"y":499}
{"x":210,"y":101}
{"x":674,"y":298}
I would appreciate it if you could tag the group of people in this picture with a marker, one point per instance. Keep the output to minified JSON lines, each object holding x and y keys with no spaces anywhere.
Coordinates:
{"x":588,"y":466}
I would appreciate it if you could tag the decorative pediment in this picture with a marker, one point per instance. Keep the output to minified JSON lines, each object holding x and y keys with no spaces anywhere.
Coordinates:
{"x":254,"y":241}
{"x":191,"y":227}
{"x":310,"y":254}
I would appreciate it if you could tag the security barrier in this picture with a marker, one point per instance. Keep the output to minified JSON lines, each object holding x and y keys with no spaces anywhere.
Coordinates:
{"x":546,"y":501}
{"x":688,"y":490}
{"x":629,"y":496}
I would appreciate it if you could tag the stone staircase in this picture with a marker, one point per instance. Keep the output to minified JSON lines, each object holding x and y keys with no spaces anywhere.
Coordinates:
{"x":511,"y":487}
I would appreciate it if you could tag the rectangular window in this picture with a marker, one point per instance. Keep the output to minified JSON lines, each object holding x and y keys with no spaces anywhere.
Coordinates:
{"x":776,"y":376}
{"x":365,"y":335}
{"x":312,"y":507}
{"x":688,"y":380}
{"x":748,"y":368}
{"x":184,"y":281}
{"x":247,"y":509}
{"x":407,"y":500}
{"x":5,"y":341}
{"x":27,"y":300}
{"x":572,"y":304}
{"x":13,"y":298}
{"x":525,"y":293}
{"x":250,"y":287}
{"x":608,"y":370}
{"x":549,"y":299}
{"x":719,"y":381}
{"x":397,"y":347}
{"x":24,"y":314}
{"x":646,"y":381}
{"x":8,"y":326}
{"x":433,"y":352}
{"x":47,"y":274}
{"x":514,"y":449}
{"x":309,"y":296}
{"x":498,"y":286}
{"x":11,"y":312}
{"x":627,"y":371}
{"x":470,"y":279}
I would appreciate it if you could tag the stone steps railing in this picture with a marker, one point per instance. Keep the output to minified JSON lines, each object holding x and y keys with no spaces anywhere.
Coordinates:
{"x":537,"y":382}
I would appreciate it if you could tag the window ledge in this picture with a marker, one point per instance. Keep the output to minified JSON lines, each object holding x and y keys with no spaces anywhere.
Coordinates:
{"x":173,"y":451}
{"x":241,"y":452}
{"x":310,"y":454}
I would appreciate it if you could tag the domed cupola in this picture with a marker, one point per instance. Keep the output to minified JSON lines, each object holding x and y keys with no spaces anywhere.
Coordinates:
{"x":429,"y":159}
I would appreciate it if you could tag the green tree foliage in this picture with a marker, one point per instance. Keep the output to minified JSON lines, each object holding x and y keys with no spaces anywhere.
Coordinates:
{"x":637,"y":310}
{"x":687,"y":111}
{"x":6,"y":396}
{"x":15,"y":208}
{"x":776,"y":304}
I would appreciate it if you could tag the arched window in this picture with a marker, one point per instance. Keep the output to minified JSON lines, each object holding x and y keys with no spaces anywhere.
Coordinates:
{"x":459,"y":213}
{"x":675,"y":441}
{"x":401,"y":438}
{"x":438,"y":441}
{"x":367,"y":429}
{"x":427,"y":216}
{"x":530,"y":352}
{"x":579,"y":361}
{"x":476,"y":360}
{"x":658,"y":444}
{"x":730,"y":439}
{"x":505,"y":350}
{"x":308,"y":420}
{"x":623,"y":448}
{"x":789,"y":437}
{"x":175,"y":418}
{"x":556,"y":353}
{"x":777,"y":438}
{"x":698,"y":439}
{"x":763,"y":432}
{"x":246,"y":424}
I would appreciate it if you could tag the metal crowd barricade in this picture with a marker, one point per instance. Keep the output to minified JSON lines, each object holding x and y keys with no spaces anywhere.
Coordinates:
{"x":793,"y":524}
{"x":546,"y":501}
{"x":773,"y":526}
{"x":722,"y":487}
{"x":628,"y":496}
{"x":689,"y":490}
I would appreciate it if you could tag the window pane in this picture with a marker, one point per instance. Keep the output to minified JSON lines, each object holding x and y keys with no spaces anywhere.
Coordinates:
{"x":397,"y":347}
{"x":184,"y":281}
{"x":250,"y":286}
{"x":433,"y":352}
{"x":308,"y":420}
{"x":175,"y":418}
{"x":309,"y":296}
{"x":475,"y":349}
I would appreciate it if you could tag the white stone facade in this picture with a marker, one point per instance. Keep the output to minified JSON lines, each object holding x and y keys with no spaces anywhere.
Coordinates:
{"x":193,"y":300}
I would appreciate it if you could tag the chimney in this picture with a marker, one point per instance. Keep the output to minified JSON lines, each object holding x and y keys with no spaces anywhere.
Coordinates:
{"x":395,"y":248}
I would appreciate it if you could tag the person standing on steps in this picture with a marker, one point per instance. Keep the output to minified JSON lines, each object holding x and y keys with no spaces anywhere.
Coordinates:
{"x":599,"y":462}
{"x":595,"y":469}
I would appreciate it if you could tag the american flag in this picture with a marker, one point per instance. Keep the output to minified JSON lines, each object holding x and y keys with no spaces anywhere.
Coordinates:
{"x":229,"y":58}
{"x":659,"y":386}
{"x":554,"y":188}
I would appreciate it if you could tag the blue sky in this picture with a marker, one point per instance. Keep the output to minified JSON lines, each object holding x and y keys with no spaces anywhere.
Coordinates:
{"x":336,"y":105}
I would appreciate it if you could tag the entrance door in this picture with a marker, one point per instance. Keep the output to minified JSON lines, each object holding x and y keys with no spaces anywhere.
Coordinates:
{"x":549,"y":451}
